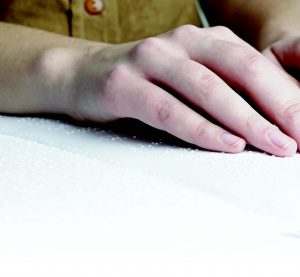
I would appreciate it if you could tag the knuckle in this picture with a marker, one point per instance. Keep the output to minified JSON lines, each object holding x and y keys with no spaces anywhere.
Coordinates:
{"x":201,"y":79}
{"x":165,"y":111}
{"x":184,"y":31}
{"x":201,"y":130}
{"x":253,"y":122}
{"x":291,"y":112}
{"x":208,"y":84}
{"x":117,"y":75}
{"x":147,"y":47}
{"x":189,"y":28}
{"x":222,"y":30}
{"x":253,"y":62}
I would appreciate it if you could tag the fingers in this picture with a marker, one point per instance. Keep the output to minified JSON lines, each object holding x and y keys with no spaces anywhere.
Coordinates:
{"x":206,"y":90}
{"x":248,"y":71}
{"x":154,"y":106}
{"x":287,"y":52}
{"x":204,"y":68}
{"x":269,"y":54}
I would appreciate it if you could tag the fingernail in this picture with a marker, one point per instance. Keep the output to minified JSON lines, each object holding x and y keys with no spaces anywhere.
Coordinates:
{"x":230,"y":139}
{"x":279,"y":139}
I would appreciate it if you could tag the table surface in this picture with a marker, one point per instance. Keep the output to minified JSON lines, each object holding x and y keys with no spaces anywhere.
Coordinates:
{"x":125,"y":199}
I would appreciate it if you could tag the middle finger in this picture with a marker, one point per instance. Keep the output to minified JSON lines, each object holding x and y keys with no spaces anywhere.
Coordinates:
{"x":206,"y":90}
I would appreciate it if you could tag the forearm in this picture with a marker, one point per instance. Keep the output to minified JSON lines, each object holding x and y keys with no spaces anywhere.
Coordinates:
{"x":259,"y":22}
{"x":36,"y":69}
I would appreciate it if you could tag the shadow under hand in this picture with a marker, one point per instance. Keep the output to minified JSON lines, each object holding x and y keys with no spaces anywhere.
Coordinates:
{"x":133,"y":129}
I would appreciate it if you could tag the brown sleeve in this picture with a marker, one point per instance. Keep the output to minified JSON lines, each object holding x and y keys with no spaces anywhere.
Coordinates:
{"x":120,"y":21}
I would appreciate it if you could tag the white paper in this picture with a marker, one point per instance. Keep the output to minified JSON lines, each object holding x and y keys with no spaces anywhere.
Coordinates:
{"x":79,"y":201}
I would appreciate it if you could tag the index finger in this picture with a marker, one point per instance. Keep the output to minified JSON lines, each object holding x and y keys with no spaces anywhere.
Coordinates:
{"x":245,"y":69}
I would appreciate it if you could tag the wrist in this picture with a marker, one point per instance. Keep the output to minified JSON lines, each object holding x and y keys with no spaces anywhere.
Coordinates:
{"x":85,"y":83}
{"x":59,"y":69}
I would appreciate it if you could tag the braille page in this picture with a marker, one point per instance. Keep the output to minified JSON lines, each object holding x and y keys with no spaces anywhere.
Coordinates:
{"x":95,"y":201}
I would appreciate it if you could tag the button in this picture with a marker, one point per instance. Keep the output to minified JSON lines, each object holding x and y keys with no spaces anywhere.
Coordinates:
{"x":94,"y":7}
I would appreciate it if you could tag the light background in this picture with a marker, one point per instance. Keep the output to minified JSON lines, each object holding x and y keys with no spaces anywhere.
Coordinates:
{"x":126,"y":200}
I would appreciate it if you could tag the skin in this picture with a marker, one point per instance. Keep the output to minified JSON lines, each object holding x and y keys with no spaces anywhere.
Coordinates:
{"x":261,"y":23}
{"x":212,"y":70}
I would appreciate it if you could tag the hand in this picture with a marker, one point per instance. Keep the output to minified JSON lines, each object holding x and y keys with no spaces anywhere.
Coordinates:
{"x":286,"y":55}
{"x":158,"y":80}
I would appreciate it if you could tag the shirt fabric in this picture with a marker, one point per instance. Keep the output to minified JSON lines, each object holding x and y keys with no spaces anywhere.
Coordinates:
{"x":120,"y":21}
